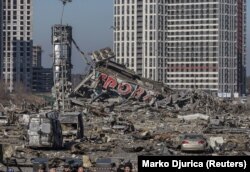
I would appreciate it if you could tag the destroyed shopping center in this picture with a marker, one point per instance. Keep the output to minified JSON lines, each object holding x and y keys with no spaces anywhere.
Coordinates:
{"x":115,"y":114}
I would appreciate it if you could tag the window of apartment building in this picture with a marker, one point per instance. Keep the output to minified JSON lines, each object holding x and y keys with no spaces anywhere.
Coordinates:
{"x":132,"y":62}
{"x":150,"y":62}
{"x":128,"y":52}
{"x":132,"y":50}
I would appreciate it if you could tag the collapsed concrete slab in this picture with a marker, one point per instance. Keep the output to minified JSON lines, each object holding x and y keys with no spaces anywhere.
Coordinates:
{"x":194,"y":117}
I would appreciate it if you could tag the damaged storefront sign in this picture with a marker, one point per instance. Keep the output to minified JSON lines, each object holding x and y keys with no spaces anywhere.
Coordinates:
{"x":123,"y":88}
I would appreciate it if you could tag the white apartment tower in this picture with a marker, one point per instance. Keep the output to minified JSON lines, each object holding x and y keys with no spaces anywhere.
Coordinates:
{"x":206,"y":45}
{"x":140,"y":36}
{"x":16,"y":61}
{"x":1,"y":37}
{"x":185,"y":43}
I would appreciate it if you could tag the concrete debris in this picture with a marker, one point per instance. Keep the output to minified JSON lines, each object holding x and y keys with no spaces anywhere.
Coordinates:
{"x":82,"y":148}
{"x":215,"y":143}
{"x":8,"y":151}
{"x":146,"y":135}
{"x":194,"y":117}
{"x":125,"y":115}
{"x":86,"y":161}
{"x":132,"y":149}
{"x":142,"y":112}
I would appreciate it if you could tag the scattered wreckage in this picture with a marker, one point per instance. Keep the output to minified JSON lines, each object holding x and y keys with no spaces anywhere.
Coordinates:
{"x":118,"y":114}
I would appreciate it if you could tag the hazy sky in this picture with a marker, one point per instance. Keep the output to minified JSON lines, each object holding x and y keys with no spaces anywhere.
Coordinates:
{"x":91,"y":21}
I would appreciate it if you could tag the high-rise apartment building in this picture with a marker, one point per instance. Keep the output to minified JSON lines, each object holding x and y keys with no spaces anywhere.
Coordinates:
{"x":1,"y":38}
{"x":16,"y":60}
{"x":140,"y":36}
{"x":206,"y":45}
{"x":37,"y":56}
{"x":185,"y":43}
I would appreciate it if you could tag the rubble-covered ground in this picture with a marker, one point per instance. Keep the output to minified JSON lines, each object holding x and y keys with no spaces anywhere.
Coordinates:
{"x":134,"y":128}
{"x":126,"y":116}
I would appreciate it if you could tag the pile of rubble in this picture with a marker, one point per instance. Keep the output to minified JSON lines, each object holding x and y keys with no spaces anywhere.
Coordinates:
{"x":126,"y":116}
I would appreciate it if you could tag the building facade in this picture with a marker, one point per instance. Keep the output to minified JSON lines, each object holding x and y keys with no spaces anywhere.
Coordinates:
{"x":206,"y":46}
{"x":16,"y":60}
{"x":42,"y":80}
{"x":139,"y":36}
{"x":37,"y":56}
{"x":187,"y":44}
{"x":1,"y":38}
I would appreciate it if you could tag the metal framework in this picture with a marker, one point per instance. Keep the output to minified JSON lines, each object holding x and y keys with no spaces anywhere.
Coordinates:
{"x":61,"y":40}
